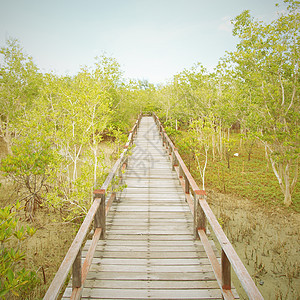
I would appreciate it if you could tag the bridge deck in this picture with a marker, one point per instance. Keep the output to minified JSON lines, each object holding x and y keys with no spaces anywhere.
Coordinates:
{"x":149,"y":251}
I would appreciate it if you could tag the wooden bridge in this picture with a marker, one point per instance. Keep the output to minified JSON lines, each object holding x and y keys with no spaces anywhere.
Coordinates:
{"x":150,"y":240}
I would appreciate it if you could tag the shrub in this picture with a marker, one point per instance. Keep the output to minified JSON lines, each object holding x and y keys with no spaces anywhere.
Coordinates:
{"x":14,"y":280}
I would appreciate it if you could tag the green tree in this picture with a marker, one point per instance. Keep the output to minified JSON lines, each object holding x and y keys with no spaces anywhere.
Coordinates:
{"x":20,"y":83}
{"x":30,"y":165}
{"x":267,"y":65}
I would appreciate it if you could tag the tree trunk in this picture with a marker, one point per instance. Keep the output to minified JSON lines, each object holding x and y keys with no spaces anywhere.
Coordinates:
{"x":287,"y":192}
{"x":8,"y":142}
{"x":282,"y":173}
{"x":287,"y":197}
{"x":213,"y":142}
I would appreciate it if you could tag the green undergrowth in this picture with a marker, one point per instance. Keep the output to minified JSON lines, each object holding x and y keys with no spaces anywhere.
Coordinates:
{"x":252,"y":179}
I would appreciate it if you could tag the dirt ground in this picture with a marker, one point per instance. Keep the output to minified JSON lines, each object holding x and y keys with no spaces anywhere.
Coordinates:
{"x":266,"y":239}
{"x":46,"y":249}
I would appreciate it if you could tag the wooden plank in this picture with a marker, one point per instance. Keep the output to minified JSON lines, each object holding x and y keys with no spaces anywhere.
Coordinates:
{"x":143,"y":221}
{"x":119,"y":248}
{"x":152,"y":254}
{"x":155,"y":215}
{"x":152,"y":262}
{"x":153,"y":284}
{"x":150,"y":197}
{"x":147,"y":231}
{"x":153,"y":237}
{"x":98,"y":293}
{"x":153,"y":208}
{"x":174,"y":276}
{"x":98,"y":267}
{"x":145,"y":242}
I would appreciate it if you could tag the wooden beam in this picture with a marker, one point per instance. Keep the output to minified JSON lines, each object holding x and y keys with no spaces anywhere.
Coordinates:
{"x":76,"y":271}
{"x":226,"y":271}
{"x":237,"y":265}
{"x":76,"y":293}
{"x":227,"y":294}
{"x":65,"y":267}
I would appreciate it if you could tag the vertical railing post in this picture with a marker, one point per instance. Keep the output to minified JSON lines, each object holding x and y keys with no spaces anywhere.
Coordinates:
{"x":100,"y":216}
{"x":199,"y":216}
{"x":76,"y":271}
{"x":131,"y":134}
{"x":169,"y":150}
{"x":186,"y":185}
{"x":126,"y":162}
{"x":120,"y":172}
{"x":180,"y":171}
{"x":226,"y":271}
{"x":174,"y":159}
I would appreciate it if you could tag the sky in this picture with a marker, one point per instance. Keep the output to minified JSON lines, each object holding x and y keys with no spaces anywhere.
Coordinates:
{"x":151,"y":39}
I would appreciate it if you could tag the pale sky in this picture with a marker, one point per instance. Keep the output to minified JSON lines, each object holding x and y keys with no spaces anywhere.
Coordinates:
{"x":151,"y":39}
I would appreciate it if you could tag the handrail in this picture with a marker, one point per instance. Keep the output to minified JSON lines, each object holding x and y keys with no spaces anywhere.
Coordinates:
{"x":202,"y":212}
{"x":96,"y":213}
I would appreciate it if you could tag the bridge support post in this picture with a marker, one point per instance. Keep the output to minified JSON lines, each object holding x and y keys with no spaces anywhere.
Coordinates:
{"x":100,"y":216}
{"x":174,"y":160}
{"x":76,"y":271}
{"x":199,"y":216}
{"x":186,"y":185}
{"x":226,"y":271}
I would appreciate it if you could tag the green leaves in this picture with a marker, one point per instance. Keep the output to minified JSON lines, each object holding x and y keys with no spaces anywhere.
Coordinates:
{"x":266,"y":68}
{"x":30,"y":165}
{"x":13,"y":280}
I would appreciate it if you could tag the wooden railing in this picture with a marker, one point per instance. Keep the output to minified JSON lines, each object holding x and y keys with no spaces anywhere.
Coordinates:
{"x":97,"y":214}
{"x":202,"y":213}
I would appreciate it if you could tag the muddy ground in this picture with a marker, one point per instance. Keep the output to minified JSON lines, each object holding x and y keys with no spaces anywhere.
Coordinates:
{"x":266,"y":239}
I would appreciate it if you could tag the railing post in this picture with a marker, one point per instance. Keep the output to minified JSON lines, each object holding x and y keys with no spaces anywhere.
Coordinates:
{"x":226,"y":271}
{"x":174,"y":159}
{"x":126,"y":161}
{"x":199,"y":216}
{"x":100,"y":216}
{"x":168,"y":146}
{"x":131,"y":135}
{"x":180,"y":171}
{"x":76,"y":271}
{"x":186,"y":185}
{"x":120,"y":173}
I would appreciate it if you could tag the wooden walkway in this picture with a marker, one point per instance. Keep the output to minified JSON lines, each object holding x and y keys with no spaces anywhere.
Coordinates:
{"x":149,"y":251}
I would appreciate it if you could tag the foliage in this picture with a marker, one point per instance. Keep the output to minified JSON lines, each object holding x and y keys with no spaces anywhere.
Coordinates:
{"x":20,"y":83}
{"x":254,"y":91}
{"x":30,"y":166}
{"x":267,"y":63}
{"x":252,"y":179}
{"x":14,"y":280}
